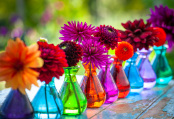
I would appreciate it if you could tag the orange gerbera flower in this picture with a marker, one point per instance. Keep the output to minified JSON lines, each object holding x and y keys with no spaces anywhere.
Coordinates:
{"x":16,"y":64}
{"x":124,"y":50}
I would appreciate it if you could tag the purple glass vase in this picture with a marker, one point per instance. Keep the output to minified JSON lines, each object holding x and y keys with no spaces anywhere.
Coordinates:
{"x":16,"y":106}
{"x":146,"y":70}
{"x":108,"y":84}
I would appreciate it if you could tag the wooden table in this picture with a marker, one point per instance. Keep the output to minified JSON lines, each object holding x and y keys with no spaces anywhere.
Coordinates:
{"x":157,"y":103}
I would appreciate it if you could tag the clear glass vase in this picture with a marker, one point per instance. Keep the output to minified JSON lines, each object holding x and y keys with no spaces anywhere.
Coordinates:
{"x":108,"y":84}
{"x":47,"y":103}
{"x":74,"y":101}
{"x":120,"y":78}
{"x":145,"y":68}
{"x":16,"y":106}
{"x":92,"y":87}
{"x":132,"y":73}
{"x":161,"y":66}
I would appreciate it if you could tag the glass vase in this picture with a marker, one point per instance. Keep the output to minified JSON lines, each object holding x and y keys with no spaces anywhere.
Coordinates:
{"x":145,"y":68}
{"x":74,"y":101}
{"x":16,"y":106}
{"x":120,"y":78}
{"x":132,"y":73}
{"x":161,"y":66}
{"x":47,"y":103}
{"x":92,"y":87}
{"x":108,"y":83}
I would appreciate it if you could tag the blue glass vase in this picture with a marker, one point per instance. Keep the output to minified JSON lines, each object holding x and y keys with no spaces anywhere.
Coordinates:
{"x":47,"y":103}
{"x":145,"y":69}
{"x":16,"y":106}
{"x":132,"y":73}
{"x":161,"y":66}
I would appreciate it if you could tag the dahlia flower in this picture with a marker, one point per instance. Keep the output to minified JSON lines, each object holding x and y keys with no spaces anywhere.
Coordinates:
{"x":17,"y":63}
{"x":54,"y":61}
{"x":95,"y":53}
{"x":108,"y":36}
{"x":138,"y":34}
{"x":73,"y":52}
{"x":163,"y":17}
{"x":124,"y":50}
{"x":77,"y":32}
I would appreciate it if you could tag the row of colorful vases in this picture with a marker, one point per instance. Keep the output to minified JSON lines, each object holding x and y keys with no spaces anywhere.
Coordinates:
{"x":94,"y":90}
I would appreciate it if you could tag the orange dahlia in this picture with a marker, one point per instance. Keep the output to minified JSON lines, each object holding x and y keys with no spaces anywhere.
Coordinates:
{"x":161,"y":35}
{"x":16,"y":64}
{"x":124,"y":50}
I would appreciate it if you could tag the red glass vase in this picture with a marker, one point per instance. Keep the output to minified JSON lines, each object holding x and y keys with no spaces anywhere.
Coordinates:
{"x":92,"y":87}
{"x":120,"y":78}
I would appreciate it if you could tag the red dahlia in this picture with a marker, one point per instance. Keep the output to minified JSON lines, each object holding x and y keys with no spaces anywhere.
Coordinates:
{"x":73,"y":52}
{"x":138,"y":34}
{"x":108,"y":36}
{"x":54,"y":61}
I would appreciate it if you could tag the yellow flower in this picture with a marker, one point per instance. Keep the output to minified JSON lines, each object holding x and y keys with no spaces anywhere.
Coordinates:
{"x":16,"y":64}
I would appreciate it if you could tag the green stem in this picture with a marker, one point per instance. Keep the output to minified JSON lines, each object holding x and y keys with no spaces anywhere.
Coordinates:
{"x":46,"y":100}
{"x":94,"y":82}
{"x":129,"y":69}
{"x":78,"y":103}
{"x":52,"y":90}
{"x":105,"y":70}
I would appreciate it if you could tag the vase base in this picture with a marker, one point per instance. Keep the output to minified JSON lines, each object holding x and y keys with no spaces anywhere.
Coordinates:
{"x":111,"y":96}
{"x":47,"y":116}
{"x":17,"y":117}
{"x":74,"y":111}
{"x":136,"y":90}
{"x":149,"y":85}
{"x":164,"y":81}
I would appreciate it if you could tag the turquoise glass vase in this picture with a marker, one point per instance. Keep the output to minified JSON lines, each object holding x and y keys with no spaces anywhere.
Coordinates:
{"x":161,"y":66}
{"x":132,"y":73}
{"x":47,"y":103}
{"x":74,"y":101}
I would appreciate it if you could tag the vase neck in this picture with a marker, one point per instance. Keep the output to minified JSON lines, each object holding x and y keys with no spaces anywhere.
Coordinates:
{"x":70,"y":73}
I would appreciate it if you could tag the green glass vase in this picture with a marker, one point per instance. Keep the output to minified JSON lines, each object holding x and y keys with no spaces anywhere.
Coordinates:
{"x":161,"y":66}
{"x":74,"y":101}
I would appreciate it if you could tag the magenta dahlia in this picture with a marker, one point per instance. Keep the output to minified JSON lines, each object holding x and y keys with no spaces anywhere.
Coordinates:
{"x":77,"y":32}
{"x":163,"y":17}
{"x":138,"y":34}
{"x":54,"y":61}
{"x":108,"y":36}
{"x":95,"y":53}
{"x":73,"y":52}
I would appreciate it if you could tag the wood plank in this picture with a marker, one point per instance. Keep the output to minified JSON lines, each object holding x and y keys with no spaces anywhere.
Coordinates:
{"x":163,"y":108}
{"x":133,"y":105}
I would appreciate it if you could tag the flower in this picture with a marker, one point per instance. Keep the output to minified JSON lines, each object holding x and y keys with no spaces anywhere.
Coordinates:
{"x":77,"y":31}
{"x":138,"y":34}
{"x":16,"y":64}
{"x":124,"y":50}
{"x":94,"y":52}
{"x":108,"y":36}
{"x":164,"y":17}
{"x":73,"y":52}
{"x":54,"y":61}
{"x":161,"y":35}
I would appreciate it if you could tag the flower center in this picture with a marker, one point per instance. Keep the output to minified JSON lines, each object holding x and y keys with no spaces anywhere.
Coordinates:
{"x":19,"y":66}
{"x":110,"y":30}
{"x":125,"y":49}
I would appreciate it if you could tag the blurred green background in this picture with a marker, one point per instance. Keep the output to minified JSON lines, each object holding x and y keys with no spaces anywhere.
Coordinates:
{"x":32,"y":19}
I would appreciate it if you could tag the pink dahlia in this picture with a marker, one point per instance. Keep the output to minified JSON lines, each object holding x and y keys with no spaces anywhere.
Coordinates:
{"x":108,"y":36}
{"x":95,"y":53}
{"x":77,"y":31}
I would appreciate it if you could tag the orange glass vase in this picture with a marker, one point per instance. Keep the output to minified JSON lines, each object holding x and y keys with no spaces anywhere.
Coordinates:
{"x":92,"y":87}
